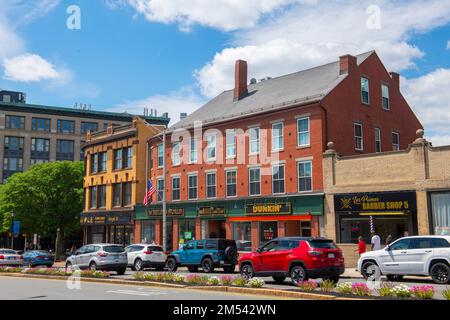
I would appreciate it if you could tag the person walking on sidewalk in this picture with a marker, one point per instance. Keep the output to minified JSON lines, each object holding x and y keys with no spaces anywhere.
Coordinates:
{"x":361,"y":245}
{"x":376,"y":241}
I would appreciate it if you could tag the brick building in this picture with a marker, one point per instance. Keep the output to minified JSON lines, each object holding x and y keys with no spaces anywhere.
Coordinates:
{"x":248,"y":164}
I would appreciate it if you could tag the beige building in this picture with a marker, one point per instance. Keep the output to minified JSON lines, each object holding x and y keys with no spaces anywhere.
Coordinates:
{"x":394,"y":193}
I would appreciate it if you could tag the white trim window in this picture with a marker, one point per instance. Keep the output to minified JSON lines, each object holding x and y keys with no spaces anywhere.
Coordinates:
{"x":365,"y":96}
{"x":176,"y":186}
{"x":303,"y":132}
{"x":277,"y":136}
{"x":211,"y":141}
{"x":176,"y":159}
{"x":254,"y":140}
{"x":160,"y":155}
{"x":377,"y":140}
{"x":160,"y":189}
{"x":192,"y":186}
{"x":304,"y":173}
{"x":385,"y":102}
{"x":359,"y":141}
{"x":254,"y":181}
{"x":395,"y":141}
{"x":230,"y":137}
{"x":278,"y":178}
{"x":231,"y":182}
{"x":211,"y":185}
{"x":193,"y":154}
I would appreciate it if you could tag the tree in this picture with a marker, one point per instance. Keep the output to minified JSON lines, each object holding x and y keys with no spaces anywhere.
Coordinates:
{"x":46,"y":197}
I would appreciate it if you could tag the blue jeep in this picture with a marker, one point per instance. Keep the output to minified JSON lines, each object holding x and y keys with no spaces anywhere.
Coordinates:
{"x":208,"y":254}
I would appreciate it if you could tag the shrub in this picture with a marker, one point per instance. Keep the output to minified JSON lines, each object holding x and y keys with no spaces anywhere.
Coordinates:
{"x":345,"y":287}
{"x":139,"y":275}
{"x":213,"y":281}
{"x":326,"y":285}
{"x":256,"y":283}
{"x":386,"y":291}
{"x":240,"y":281}
{"x":308,"y":285}
{"x":197,"y":279}
{"x":95,"y":274}
{"x":150,"y":277}
{"x":423,"y":292}
{"x":160,"y":277}
{"x":360,"y":289}
{"x":179,"y":278}
{"x":446,"y":294}
{"x":402,"y":291}
{"x":10,"y":269}
{"x":48,"y":271}
{"x":169,"y":277}
{"x":226,"y":280}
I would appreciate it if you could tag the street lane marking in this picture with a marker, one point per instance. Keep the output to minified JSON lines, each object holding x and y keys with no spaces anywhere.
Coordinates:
{"x":138,"y":293}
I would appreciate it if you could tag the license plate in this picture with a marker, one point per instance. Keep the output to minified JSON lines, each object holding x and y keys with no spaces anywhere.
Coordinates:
{"x":331,"y":256}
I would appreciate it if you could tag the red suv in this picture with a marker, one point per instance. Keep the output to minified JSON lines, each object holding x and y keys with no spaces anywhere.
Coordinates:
{"x":299,"y":258}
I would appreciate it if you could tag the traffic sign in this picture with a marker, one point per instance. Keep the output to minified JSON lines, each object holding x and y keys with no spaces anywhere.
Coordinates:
{"x":16,"y":228}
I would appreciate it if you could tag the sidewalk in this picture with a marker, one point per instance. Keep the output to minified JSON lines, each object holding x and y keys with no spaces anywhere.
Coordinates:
{"x":351,"y":273}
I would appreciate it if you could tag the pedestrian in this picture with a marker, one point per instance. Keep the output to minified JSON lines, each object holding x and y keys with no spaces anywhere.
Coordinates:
{"x":406,"y":234}
{"x":73,"y":249}
{"x":361,"y":245}
{"x":153,"y":242}
{"x":376,"y":241}
{"x":388,"y":239}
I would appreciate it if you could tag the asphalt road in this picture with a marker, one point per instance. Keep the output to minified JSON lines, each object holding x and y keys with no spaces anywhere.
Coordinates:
{"x":42,"y":289}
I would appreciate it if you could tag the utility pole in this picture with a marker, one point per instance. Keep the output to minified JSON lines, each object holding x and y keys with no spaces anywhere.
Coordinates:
{"x":12,"y":230}
{"x":164,"y":206}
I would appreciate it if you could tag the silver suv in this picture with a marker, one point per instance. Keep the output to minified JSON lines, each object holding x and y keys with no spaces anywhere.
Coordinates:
{"x":142,"y":256}
{"x":107,"y":257}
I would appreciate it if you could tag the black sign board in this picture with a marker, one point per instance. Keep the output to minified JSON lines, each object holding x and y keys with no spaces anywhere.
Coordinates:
{"x":211,"y":211}
{"x":375,"y":202}
{"x":271,"y":208}
{"x":106,"y":218}
{"x":170,"y":212}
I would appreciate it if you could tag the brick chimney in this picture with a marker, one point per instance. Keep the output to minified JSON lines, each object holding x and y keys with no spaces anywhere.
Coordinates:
{"x":347,"y":64}
{"x":240,"y":80}
{"x":395,"y":80}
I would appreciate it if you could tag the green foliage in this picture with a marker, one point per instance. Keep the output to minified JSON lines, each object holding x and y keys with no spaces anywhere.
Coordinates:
{"x":446,"y":294}
{"x":46,"y":197}
{"x":326,"y":285}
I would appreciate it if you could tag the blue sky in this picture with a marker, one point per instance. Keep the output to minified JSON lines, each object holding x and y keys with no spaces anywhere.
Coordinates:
{"x":174,"y":55}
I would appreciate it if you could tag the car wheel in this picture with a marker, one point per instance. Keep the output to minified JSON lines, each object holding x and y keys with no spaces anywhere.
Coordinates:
{"x":231,"y":255}
{"x":394,"y":277}
{"x":247,"y":272}
{"x":208,"y":265}
{"x":440,"y":273}
{"x":92,"y":266}
{"x":172,"y":265}
{"x":365,"y":272}
{"x":298,"y":274}
{"x":69,"y":267}
{"x":229,"y":269}
{"x":279,"y":279}
{"x":138,"y":266}
{"x":121,"y":272}
{"x":192,"y":268}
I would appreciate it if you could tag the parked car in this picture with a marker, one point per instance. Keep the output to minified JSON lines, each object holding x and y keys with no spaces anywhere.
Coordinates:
{"x":34,"y":258}
{"x":418,"y":255}
{"x":207,"y":254}
{"x":141,"y":256}
{"x":107,"y":257}
{"x":9,"y":257}
{"x":299,"y":258}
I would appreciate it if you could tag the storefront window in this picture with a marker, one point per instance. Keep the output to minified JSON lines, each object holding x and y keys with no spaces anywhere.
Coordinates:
{"x":440,"y":204}
{"x":148,"y":231}
{"x":186,"y":230}
{"x":268,"y":230}
{"x":242,"y":234}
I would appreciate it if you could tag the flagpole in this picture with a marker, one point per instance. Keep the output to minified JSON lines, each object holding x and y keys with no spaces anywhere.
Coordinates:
{"x":164,"y":209}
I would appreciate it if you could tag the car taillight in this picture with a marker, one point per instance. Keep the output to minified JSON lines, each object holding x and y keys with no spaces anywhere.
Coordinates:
{"x":2,"y":257}
{"x":20,"y":257}
{"x":102,"y":254}
{"x":148,"y":252}
{"x":315,"y":253}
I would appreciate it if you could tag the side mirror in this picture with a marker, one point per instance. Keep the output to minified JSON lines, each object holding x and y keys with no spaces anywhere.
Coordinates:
{"x":388,"y":248}
{"x":259,"y":250}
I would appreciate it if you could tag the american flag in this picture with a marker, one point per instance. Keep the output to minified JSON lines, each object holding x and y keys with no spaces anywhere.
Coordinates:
{"x":150,"y":191}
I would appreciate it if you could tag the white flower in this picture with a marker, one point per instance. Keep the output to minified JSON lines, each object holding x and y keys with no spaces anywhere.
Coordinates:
{"x":214,"y":281}
{"x":256,"y":283}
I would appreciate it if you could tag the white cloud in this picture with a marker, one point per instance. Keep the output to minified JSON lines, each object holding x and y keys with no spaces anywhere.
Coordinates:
{"x":430,"y":98}
{"x":448,"y":45}
{"x":29,"y":68}
{"x":176,"y":102}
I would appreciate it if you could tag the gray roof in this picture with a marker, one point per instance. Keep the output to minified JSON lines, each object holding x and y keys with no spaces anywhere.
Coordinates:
{"x":298,"y":88}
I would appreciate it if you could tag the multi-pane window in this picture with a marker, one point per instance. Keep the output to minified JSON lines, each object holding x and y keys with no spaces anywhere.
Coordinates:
{"x":94,"y":163}
{"x":254,"y":140}
{"x":385,"y":97}
{"x":365,"y":90}
{"x":66,"y":126}
{"x":93,"y":197}
{"x":89,"y":126}
{"x":160,"y":189}
{"x":13,"y":146}
{"x":40,"y":124}
{"x":176,"y":188}
{"x":303,"y":135}
{"x":102,"y":196}
{"x":176,"y":158}
{"x":64,"y":150}
{"x":377,"y":140}
{"x":160,"y":155}
{"x":193,"y":150}
{"x":102,"y":158}
{"x":211,"y":147}
{"x":121,"y":194}
{"x":230,"y":137}
{"x":304,"y":171}
{"x":278,"y":178}
{"x":12,"y":165}
{"x":123,"y":158}
{"x":358,"y":128}
{"x":395,"y":141}
{"x":14,"y":122}
{"x":277,"y":136}
{"x":192,"y":186}
{"x":13,"y":156}
{"x":231,"y":179}
{"x":117,"y":195}
{"x":40,"y":150}
{"x":126,"y":194}
{"x":211,"y":185}
{"x":254,"y":181}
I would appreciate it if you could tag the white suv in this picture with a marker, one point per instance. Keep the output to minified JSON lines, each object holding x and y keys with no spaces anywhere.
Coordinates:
{"x":141,"y":256}
{"x":419,"y":255}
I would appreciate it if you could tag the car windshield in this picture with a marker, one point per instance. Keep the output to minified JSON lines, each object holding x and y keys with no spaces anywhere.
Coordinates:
{"x":7,"y":252}
{"x":43,"y":253}
{"x":322,"y":244}
{"x":113,"y":249}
